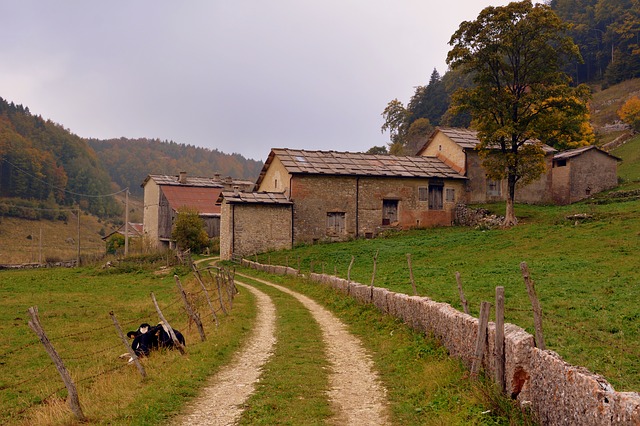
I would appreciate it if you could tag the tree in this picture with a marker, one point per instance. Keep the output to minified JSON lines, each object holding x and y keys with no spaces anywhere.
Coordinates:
{"x":189,"y":231}
{"x":630,"y":113}
{"x":515,"y":54}
{"x":379,"y":150}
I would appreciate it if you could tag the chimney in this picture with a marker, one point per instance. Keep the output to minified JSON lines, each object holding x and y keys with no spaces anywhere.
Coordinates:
{"x":183,"y":177}
{"x":228,"y":180}
{"x":236,"y":190}
{"x":216,"y":177}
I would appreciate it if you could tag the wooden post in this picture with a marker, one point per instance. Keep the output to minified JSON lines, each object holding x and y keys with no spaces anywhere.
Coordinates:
{"x":132,"y":354}
{"x":217,"y":280}
{"x":481,"y":340}
{"x":535,"y":303}
{"x":298,"y":265}
{"x":166,"y":323}
{"x":413,"y":283}
{"x":373,"y":275}
{"x":499,"y":342}
{"x":78,"y":256}
{"x":349,"y":270}
{"x":465,"y":304}
{"x":126,"y":222}
{"x":192,"y":314}
{"x":74,"y":401}
{"x":205,"y":291}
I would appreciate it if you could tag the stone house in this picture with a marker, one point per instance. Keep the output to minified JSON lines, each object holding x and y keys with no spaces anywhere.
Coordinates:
{"x":164,"y":195}
{"x":341,"y":195}
{"x":254,"y":222}
{"x":582,"y":172}
{"x":456,"y":147}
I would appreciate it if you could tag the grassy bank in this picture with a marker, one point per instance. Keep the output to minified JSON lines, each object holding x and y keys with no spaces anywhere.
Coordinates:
{"x":585,"y":272}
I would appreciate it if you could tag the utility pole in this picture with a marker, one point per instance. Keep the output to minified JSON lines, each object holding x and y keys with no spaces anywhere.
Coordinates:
{"x":78,"y":264}
{"x":126,"y":222}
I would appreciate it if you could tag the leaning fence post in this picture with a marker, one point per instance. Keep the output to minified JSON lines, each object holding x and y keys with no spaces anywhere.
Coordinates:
{"x":499,"y":338}
{"x":465,"y":304}
{"x":217,"y":280}
{"x":205,"y":291}
{"x":74,"y":401}
{"x":353,"y":258}
{"x":166,"y":323}
{"x":373,"y":275}
{"x":192,"y":314}
{"x":413,"y":282}
{"x":133,"y":355}
{"x":535,"y":304}
{"x":481,"y":340}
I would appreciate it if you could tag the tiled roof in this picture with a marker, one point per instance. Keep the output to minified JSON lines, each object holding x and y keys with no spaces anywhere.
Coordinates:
{"x":577,"y":151}
{"x":197,"y":181}
{"x":334,"y":163}
{"x":202,"y":199}
{"x":254,"y":197}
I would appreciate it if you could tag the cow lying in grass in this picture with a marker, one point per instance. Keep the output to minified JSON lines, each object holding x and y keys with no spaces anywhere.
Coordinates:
{"x":147,"y":338}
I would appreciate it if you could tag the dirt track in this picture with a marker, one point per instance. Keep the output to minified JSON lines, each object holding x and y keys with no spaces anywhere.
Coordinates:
{"x":356,"y":394}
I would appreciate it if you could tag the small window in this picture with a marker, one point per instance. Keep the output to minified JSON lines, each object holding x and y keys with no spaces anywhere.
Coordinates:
{"x":493,"y":188}
{"x":561,"y":163}
{"x":335,"y":223}
{"x":439,"y":147}
{"x":450,"y":195}
{"x":423,"y":193}
{"x":276,"y":184}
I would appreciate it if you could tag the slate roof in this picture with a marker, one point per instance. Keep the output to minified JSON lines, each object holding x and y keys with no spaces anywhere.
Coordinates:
{"x":577,"y":151}
{"x":254,"y":197}
{"x":195,"y":181}
{"x":465,"y":138}
{"x":333,"y":163}
{"x":201,"y":198}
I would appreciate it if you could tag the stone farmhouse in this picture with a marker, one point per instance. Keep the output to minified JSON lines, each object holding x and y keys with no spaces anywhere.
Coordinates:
{"x":335,"y":196}
{"x":164,"y":195}
{"x":570,"y":176}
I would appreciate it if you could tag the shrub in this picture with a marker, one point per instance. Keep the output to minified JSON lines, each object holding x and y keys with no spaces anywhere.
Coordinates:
{"x":630,"y":113}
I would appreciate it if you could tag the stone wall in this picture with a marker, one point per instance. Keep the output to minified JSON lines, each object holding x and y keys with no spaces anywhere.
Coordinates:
{"x":557,"y":392}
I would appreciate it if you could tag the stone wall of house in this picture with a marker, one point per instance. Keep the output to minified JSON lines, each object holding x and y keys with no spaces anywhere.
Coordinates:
{"x":247,"y":228}
{"x":150,"y":213}
{"x":557,"y":392}
{"x":584,"y":175}
{"x":361,"y":201}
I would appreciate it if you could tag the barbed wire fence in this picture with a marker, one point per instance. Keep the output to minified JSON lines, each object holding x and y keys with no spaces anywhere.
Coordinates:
{"x":87,"y":364}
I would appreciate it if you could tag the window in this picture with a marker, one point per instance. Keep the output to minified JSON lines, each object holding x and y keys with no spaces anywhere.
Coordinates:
{"x":561,"y":163}
{"x":335,"y":223}
{"x":423,"y":194}
{"x":450,"y":195}
{"x":435,"y":197}
{"x":275,"y":184}
{"x":389,"y":211}
{"x":493,"y":188}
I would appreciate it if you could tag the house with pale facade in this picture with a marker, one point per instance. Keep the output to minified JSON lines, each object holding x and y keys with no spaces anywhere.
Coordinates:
{"x":337,"y":196}
{"x":165,"y":195}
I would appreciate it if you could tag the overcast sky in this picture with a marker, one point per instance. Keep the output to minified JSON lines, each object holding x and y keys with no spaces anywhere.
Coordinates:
{"x":237,"y":75}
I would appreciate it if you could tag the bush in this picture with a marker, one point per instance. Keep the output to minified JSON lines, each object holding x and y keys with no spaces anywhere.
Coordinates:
{"x":189,"y":231}
{"x":630,"y":113}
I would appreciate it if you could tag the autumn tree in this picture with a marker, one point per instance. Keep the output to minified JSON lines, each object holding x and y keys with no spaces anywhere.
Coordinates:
{"x":630,"y":113}
{"x":189,"y":231}
{"x":515,"y":54}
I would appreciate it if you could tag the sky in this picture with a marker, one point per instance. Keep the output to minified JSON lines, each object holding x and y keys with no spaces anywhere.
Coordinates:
{"x":240,"y":76}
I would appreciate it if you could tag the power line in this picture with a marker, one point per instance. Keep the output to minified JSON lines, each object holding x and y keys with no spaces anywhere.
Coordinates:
{"x":62,"y":189}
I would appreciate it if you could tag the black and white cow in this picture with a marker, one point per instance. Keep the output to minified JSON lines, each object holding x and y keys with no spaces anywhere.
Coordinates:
{"x":147,"y":338}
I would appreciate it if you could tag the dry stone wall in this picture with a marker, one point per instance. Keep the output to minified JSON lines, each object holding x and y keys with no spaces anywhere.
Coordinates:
{"x":557,"y":392}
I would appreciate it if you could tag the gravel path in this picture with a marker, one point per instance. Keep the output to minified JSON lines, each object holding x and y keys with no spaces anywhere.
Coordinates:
{"x":356,"y":394}
{"x":220,"y":402}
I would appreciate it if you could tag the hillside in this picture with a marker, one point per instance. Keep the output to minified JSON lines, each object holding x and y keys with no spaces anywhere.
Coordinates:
{"x":129,"y":161}
{"x":605,"y":105}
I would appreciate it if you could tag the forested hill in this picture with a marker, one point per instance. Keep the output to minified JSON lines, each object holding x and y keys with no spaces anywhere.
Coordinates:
{"x":43,"y":162}
{"x":129,"y":161}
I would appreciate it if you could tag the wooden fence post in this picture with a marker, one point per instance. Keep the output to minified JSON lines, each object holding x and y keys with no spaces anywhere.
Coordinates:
{"x":217,"y":280}
{"x":465,"y":304}
{"x":133,"y":355}
{"x":413,"y":283}
{"x":166,"y":323}
{"x":192,"y":314}
{"x":206,"y":292}
{"x":535,"y":304}
{"x":353,"y":258}
{"x":499,"y":339}
{"x":373,"y":275}
{"x":74,"y":401}
{"x":481,"y":340}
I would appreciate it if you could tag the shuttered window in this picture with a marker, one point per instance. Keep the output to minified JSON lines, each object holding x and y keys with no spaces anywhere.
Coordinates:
{"x":335,"y":223}
{"x":435,"y":197}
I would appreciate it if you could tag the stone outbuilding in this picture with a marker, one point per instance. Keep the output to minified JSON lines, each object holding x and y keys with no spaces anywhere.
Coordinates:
{"x":579,"y":173}
{"x":254,"y":222}
{"x":337,"y":196}
{"x":456,"y":147}
{"x":164,"y":195}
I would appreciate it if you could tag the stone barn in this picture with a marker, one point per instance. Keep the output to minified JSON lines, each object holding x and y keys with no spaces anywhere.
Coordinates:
{"x":456,"y":147}
{"x":254,"y":222}
{"x":580,"y":173}
{"x":337,"y":196}
{"x":164,"y":195}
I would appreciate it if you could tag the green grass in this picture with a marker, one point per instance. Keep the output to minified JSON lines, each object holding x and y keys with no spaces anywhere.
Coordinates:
{"x":425,"y":386}
{"x":74,"y":306}
{"x":586,"y":276}
{"x":629,"y":169}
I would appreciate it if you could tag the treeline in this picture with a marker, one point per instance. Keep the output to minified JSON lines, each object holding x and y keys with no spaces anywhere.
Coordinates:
{"x":129,"y":161}
{"x":42,"y":161}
